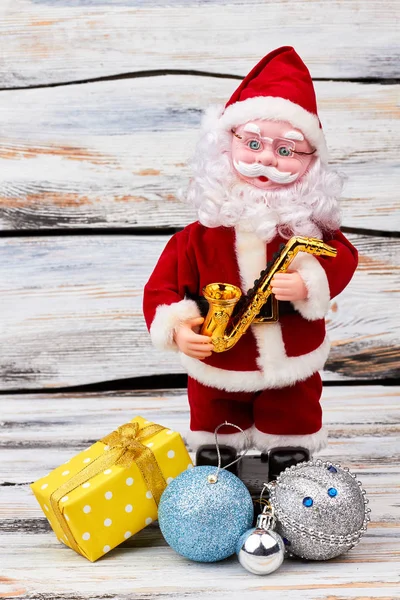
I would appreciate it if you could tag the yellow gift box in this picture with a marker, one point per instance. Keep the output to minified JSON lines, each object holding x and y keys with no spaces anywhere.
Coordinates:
{"x":111,"y":490}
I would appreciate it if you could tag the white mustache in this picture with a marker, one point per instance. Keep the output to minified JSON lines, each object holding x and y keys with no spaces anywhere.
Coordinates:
{"x":258,"y":170}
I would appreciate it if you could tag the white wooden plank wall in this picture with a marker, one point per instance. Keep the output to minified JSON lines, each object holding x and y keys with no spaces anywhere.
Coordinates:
{"x":100,"y":104}
{"x":116,"y":151}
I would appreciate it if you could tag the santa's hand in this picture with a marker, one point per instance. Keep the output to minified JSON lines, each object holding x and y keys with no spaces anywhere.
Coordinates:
{"x":289,"y":286}
{"x":191,"y":343}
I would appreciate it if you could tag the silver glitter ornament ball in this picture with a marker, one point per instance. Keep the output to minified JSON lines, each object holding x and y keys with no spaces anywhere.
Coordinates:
{"x":261,"y":550}
{"x":320,"y":508}
{"x":202,"y":516}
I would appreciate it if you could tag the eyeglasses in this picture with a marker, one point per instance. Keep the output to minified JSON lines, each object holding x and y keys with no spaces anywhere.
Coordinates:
{"x":281,"y":147}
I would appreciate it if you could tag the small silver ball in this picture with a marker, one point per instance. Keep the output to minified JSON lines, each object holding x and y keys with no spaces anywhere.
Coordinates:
{"x":260,"y":551}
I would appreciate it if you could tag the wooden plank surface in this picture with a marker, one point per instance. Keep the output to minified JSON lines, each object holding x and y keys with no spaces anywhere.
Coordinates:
{"x":72,"y":312}
{"x":49,"y":41}
{"x":364,"y":425}
{"x":114,"y":154}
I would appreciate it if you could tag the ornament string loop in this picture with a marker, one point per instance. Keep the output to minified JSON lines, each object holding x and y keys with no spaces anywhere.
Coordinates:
{"x":265,"y":501}
{"x":214,"y":478}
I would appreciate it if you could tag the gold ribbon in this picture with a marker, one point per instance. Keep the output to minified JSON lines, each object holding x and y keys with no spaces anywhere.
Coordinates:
{"x":125,"y":447}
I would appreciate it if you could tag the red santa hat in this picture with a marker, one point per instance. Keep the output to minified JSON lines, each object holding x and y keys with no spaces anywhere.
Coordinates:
{"x":280,"y":88}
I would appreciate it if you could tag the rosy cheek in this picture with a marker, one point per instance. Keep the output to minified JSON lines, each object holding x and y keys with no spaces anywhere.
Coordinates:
{"x":289,"y":165}
{"x":244,"y":154}
{"x":297,"y":164}
{"x":305,"y":162}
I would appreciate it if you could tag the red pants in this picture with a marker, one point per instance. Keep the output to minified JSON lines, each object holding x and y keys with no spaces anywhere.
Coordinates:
{"x":292,"y":410}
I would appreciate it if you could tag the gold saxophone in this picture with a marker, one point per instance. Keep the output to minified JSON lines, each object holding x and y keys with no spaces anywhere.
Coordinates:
{"x":224,"y":328}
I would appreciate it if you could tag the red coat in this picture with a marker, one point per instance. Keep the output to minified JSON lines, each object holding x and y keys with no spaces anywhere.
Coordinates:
{"x":268,"y":355}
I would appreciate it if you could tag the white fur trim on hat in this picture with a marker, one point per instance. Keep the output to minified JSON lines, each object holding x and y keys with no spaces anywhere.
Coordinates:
{"x":167,"y":318}
{"x":195,"y":439}
{"x":311,"y":441}
{"x":316,"y":305}
{"x":276,"y":109}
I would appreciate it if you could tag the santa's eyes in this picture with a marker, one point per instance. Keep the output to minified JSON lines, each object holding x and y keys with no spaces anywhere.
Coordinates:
{"x":279,"y":149}
{"x":284,"y":151}
{"x":254,"y":144}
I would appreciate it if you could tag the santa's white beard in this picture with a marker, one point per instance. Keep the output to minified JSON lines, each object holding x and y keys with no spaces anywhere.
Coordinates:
{"x":308,"y":207}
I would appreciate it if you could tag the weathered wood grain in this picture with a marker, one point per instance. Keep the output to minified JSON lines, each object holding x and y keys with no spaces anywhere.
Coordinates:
{"x":56,"y":572}
{"x":72,"y":312}
{"x":114,"y":154}
{"x":50,"y":41}
{"x":58,"y":419}
{"x":34,"y":565}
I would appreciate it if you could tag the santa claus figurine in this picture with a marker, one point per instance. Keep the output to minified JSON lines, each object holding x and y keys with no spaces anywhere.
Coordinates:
{"x":260,"y":176}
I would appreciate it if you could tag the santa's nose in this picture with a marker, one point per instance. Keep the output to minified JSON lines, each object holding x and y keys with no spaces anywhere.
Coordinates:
{"x":267,"y":158}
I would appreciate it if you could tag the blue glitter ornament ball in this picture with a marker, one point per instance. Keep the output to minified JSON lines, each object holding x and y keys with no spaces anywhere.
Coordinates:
{"x":203,"y":521}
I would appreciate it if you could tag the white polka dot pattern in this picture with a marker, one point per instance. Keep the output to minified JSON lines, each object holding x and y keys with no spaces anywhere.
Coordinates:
{"x":116,"y":502}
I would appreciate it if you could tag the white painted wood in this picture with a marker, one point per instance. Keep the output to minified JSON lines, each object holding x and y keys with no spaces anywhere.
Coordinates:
{"x":60,"y":416}
{"x":72,"y":312}
{"x":47,"y":41}
{"x":23,"y":465}
{"x":114,"y":154}
{"x":34,"y":563}
{"x":152,"y":572}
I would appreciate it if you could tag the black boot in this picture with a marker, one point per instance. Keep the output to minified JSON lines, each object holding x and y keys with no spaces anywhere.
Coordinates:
{"x":280,"y":459}
{"x":253,"y":471}
{"x":207,"y":455}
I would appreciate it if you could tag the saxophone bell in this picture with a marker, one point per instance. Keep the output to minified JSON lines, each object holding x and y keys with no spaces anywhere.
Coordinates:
{"x":222,"y":299}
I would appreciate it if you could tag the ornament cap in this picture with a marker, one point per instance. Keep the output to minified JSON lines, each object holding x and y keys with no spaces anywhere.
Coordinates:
{"x":265,"y":521}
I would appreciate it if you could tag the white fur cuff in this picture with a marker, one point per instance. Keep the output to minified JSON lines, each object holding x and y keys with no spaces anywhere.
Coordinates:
{"x":167,"y":319}
{"x":312,"y":441}
{"x":316,"y":305}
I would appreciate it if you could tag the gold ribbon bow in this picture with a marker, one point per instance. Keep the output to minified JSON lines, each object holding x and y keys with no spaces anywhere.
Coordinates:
{"x":125,"y":446}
